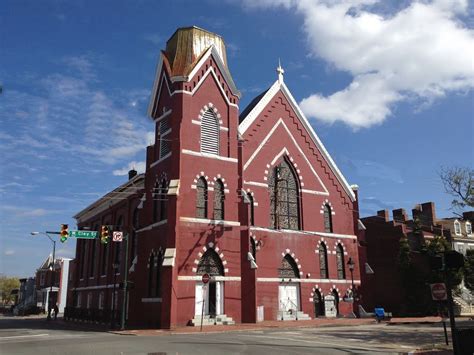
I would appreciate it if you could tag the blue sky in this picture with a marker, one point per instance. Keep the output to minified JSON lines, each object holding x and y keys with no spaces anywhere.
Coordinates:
{"x":386,"y":85}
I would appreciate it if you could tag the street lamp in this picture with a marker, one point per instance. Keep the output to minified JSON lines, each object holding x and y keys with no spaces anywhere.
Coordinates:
{"x":51,"y":266}
{"x":351,"y":265}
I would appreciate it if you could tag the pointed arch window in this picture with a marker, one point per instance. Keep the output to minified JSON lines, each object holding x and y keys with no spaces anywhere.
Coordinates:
{"x":341,"y":272}
{"x":288,"y":268}
{"x":219,"y":200}
{"x":163,"y":199}
{"x":210,"y":133}
{"x":201,"y":198}
{"x":284,"y":197}
{"x":211,"y":264}
{"x":327,"y":219}
{"x":323,"y":261}
{"x":155,"y":197}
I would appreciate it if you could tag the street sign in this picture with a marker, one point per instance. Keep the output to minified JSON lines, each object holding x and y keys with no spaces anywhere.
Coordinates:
{"x":205,"y":278}
{"x":438,"y":292}
{"x":117,"y":236}
{"x":83,"y":234}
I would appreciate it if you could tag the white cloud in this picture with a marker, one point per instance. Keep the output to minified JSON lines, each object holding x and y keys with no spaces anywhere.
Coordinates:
{"x":419,"y":53}
{"x":9,"y":252}
{"x":138,"y":166}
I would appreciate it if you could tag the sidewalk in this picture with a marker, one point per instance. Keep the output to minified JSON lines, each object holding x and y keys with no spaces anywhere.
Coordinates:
{"x":321,"y":322}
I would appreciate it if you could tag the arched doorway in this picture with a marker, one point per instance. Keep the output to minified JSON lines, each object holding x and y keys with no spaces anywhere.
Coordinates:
{"x":336,"y":301}
{"x":318,"y":304}
{"x":288,"y":291}
{"x":211,"y":295}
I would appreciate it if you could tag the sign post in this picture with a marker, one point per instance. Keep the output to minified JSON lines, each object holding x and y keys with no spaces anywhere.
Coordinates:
{"x":205,"y":280}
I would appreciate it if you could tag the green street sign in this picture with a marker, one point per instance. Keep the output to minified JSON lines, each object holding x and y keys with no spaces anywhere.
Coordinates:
{"x":83,"y":234}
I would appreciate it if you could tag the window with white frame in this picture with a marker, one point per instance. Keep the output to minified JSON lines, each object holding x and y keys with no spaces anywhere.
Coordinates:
{"x":468,"y":228}
{"x":78,"y":300}
{"x":210,"y":133}
{"x":101,"y":300}
{"x":89,"y":300}
{"x":457,"y":228}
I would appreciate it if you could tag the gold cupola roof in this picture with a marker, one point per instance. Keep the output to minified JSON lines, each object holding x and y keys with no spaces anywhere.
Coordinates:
{"x":187,"y":45}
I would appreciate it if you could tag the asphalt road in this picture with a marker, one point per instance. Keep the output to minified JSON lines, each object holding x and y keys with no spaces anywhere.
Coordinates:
{"x":36,"y":336}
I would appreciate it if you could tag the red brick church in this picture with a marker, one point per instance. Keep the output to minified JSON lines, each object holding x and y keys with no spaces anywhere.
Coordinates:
{"x":252,"y":199}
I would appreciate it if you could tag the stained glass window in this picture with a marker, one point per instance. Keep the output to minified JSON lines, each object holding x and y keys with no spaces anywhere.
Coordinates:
{"x":284,"y":209}
{"x":341,"y":273}
{"x":323,"y":261}
{"x":201,"y":198}
{"x":211,"y":264}
{"x":327,"y":219}
{"x":219,"y":200}
{"x":288,"y":268}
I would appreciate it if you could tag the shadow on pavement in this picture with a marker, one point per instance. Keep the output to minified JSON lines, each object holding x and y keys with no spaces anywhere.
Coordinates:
{"x":42,"y":323}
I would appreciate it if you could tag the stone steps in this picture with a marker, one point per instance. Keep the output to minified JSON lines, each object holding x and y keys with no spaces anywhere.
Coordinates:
{"x":285,"y":316}
{"x":221,"y":319}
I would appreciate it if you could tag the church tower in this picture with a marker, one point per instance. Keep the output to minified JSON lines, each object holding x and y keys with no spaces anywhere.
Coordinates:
{"x":192,"y":183}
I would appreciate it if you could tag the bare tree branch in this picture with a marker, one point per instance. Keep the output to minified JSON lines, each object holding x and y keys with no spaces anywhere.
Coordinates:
{"x":459,"y":182}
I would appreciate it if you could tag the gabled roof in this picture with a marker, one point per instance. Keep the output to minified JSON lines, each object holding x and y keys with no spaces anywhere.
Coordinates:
{"x":121,"y":193}
{"x":253,"y":110}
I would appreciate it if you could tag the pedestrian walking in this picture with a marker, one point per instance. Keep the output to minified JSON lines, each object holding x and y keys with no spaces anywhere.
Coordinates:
{"x":56,"y":311}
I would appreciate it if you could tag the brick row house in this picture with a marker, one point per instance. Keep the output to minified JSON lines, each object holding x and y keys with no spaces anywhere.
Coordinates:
{"x":252,"y":199}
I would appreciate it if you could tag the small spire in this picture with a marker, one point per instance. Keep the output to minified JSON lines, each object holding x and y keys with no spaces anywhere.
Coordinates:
{"x":280,"y":72}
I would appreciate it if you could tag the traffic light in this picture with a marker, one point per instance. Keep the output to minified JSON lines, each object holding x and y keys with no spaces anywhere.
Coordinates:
{"x":104,"y":234}
{"x":64,"y":233}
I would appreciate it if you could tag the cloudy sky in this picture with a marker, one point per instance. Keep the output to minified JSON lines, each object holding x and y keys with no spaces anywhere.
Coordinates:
{"x":387,"y":86}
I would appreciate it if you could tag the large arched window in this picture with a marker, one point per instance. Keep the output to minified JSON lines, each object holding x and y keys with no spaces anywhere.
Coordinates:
{"x":341,"y":273}
{"x":163,"y":199}
{"x":284,"y":197}
{"x":155,"y":262}
{"x":327,"y":219}
{"x":155,"y":196}
{"x":323,"y":261}
{"x":210,"y":133}
{"x":201,"y":198}
{"x":288,"y":268}
{"x":211,"y":264}
{"x":219,"y":200}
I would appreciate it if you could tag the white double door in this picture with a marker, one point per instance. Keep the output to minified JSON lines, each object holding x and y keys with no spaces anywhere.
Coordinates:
{"x":288,"y":296}
{"x":212,"y":294}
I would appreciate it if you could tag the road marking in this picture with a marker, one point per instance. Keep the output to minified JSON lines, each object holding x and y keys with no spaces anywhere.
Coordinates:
{"x":24,"y":336}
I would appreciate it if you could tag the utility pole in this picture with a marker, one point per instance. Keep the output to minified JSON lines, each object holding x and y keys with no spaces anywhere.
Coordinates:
{"x":125,"y":284}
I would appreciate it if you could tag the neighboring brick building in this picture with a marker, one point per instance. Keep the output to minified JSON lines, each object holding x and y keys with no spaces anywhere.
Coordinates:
{"x":461,"y":234}
{"x":383,"y":236}
{"x":52,"y":283}
{"x":254,"y":200}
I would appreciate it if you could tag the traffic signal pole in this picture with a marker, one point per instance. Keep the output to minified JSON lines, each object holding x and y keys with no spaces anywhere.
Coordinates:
{"x":125,"y":284}
{"x":452,"y":319}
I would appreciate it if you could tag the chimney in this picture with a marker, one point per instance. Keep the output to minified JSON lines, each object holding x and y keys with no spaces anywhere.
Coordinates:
{"x":428,"y":211}
{"x":400,"y":215}
{"x":416,"y":212}
{"x":469,"y":215}
{"x":383,"y":214}
{"x":131,"y":174}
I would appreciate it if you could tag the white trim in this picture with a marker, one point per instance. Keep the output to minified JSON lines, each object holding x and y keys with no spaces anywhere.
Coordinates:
{"x":205,"y":155}
{"x":151,"y":226}
{"x":209,"y":221}
{"x":255,"y":183}
{"x":154,"y":90}
{"x":321,"y":234}
{"x":456,"y":222}
{"x":250,"y":118}
{"x":166,"y":114}
{"x":94,"y":287}
{"x":160,"y":160}
{"x":151,"y":300}
{"x":215,"y":278}
{"x":470,"y":226}
{"x":267,"y":137}
{"x":327,"y":281}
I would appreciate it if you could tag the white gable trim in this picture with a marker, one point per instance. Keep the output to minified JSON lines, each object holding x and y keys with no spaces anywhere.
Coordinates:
{"x":280,"y":122}
{"x":250,"y":118}
{"x":157,"y":84}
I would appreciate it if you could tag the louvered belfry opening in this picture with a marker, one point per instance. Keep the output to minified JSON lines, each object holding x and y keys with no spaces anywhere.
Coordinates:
{"x":211,"y":264}
{"x":288,"y":268}
{"x":209,"y":133}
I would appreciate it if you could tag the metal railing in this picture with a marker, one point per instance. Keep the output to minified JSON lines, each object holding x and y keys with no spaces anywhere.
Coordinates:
{"x":102,"y":316}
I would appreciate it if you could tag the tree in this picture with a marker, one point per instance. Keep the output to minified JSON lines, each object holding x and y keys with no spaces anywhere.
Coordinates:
{"x":459,"y":182}
{"x":469,"y":270}
{"x":7,"y":285}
